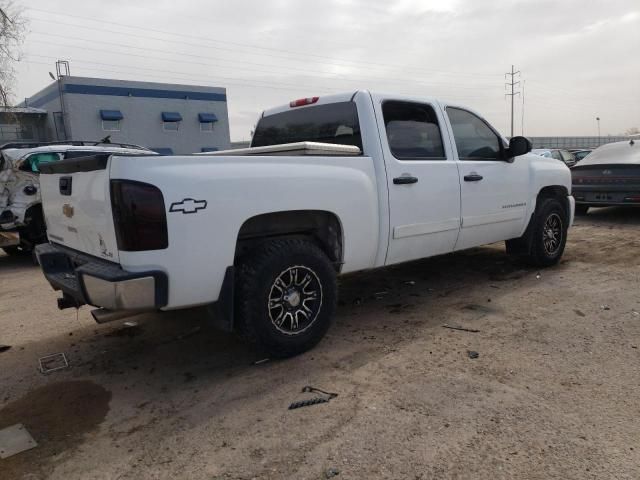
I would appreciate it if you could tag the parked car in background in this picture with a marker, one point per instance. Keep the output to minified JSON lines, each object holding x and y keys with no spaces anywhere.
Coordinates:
{"x":609,"y":176}
{"x":559,"y":154}
{"x":331,"y":185}
{"x":580,"y":154}
{"x":22,"y":224}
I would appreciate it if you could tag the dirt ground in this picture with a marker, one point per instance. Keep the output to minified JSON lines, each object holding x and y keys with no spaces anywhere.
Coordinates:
{"x":554,"y":393}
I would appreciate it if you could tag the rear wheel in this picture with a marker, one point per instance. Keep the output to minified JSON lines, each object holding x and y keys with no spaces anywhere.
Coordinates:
{"x":548,"y":233}
{"x":581,"y":209}
{"x":286,"y":296}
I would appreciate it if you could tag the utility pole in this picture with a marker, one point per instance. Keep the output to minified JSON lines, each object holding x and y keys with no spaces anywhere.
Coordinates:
{"x":513,"y":93}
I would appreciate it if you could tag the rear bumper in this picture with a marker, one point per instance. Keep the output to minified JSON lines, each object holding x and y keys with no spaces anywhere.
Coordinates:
{"x":606,"y":195}
{"x":88,"y":280}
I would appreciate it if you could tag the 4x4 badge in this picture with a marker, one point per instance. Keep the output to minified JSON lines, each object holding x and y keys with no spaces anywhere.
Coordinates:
{"x":188,"y":205}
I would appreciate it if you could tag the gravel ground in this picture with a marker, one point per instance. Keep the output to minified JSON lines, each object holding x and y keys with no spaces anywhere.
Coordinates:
{"x":554,"y":392}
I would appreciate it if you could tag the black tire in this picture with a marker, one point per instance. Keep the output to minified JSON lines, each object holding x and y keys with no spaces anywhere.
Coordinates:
{"x":262,"y":302}
{"x":549,"y":219}
{"x":581,"y":209}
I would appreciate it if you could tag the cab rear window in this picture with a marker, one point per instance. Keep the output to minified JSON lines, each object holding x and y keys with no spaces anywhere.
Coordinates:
{"x":332,"y":123}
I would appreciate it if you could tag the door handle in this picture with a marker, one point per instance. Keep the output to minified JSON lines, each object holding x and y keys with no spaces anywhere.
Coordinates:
{"x":405,"y":180}
{"x":474,"y":177}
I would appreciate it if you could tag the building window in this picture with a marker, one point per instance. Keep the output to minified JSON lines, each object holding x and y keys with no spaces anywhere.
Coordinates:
{"x":111,"y":125}
{"x":171,"y":121}
{"x":111,"y":120}
{"x":206,"y":121}
{"x":206,"y":126}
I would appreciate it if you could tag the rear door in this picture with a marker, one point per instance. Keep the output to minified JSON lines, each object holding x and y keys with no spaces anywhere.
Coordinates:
{"x":77,"y":205}
{"x":493,"y":190}
{"x":422,"y":178}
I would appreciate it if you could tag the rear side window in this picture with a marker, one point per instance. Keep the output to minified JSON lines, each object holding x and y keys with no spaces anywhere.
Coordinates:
{"x":412,"y":131}
{"x":332,"y":123}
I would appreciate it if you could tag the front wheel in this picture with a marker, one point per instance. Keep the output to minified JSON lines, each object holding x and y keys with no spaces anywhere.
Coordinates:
{"x":286,"y":296}
{"x":548,"y":233}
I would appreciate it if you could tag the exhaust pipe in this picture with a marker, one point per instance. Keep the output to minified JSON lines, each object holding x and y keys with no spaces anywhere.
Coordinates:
{"x":103,"y":315}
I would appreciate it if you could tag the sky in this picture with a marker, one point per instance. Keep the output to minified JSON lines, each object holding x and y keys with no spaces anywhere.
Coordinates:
{"x":578,"y":60}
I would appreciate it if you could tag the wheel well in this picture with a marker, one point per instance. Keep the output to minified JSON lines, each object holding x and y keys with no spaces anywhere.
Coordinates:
{"x":556,"y":191}
{"x":321,"y":226}
{"x":553,"y":191}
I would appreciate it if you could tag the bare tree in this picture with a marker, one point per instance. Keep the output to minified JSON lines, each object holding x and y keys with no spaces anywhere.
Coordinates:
{"x":12,"y":30}
{"x":632,"y":131}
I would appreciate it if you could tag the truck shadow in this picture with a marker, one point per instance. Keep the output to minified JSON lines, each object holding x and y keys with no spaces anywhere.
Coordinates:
{"x":15,"y":262}
{"x":170,"y":349}
{"x":156,"y":371}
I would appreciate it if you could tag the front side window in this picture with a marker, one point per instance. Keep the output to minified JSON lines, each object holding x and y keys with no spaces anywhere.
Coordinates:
{"x":412,"y":131}
{"x":556,"y":154}
{"x":475,"y":140}
{"x":331,"y":123}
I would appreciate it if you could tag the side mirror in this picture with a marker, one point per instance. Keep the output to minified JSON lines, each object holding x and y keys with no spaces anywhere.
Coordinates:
{"x":518,"y":146}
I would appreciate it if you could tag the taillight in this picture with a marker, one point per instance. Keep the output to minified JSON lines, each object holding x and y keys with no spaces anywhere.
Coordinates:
{"x":139,"y":216}
{"x":303,"y":101}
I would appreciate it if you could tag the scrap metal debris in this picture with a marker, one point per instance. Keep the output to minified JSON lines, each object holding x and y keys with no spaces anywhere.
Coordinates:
{"x":458,"y":327}
{"x":4,"y":348}
{"x":53,"y":363}
{"x":15,"y":439}
{"x":472,"y":354}
{"x":315,"y":400}
{"x":605,"y":307}
{"x":260,"y":362}
{"x":331,"y":472}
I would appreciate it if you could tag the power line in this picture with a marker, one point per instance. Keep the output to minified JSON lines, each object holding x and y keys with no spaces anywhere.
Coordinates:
{"x":206,"y":79}
{"x":305,"y":55}
{"x":513,"y":93}
{"x":283,"y":69}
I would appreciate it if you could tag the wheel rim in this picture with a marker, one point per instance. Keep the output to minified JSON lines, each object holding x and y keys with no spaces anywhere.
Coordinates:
{"x":295,"y":300}
{"x":552,"y":234}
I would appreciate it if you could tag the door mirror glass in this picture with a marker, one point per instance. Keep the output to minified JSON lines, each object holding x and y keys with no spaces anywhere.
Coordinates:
{"x":519,"y":146}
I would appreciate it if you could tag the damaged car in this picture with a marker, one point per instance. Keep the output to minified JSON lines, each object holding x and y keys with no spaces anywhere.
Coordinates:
{"x":610,"y":176}
{"x":22,"y":224}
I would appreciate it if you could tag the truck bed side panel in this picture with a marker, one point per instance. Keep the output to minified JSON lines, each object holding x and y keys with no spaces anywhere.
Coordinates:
{"x":202,"y":243}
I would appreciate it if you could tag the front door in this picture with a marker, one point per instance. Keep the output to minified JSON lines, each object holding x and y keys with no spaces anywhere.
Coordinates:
{"x":493,"y":190}
{"x":423,"y":182}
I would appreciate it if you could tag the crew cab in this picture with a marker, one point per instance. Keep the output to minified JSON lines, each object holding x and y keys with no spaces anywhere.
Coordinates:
{"x":22,"y":224}
{"x":330,"y":185}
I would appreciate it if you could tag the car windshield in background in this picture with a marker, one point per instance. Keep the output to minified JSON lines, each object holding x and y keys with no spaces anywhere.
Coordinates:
{"x":332,"y":123}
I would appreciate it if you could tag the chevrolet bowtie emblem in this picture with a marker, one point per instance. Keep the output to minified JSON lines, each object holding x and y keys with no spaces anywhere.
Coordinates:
{"x":188,"y":205}
{"x":67,"y":210}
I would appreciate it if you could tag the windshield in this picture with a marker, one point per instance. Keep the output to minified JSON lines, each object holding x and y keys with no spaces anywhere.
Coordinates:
{"x":331,"y":123}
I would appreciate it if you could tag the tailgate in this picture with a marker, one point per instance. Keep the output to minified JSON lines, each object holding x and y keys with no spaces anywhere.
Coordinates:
{"x":77,"y":205}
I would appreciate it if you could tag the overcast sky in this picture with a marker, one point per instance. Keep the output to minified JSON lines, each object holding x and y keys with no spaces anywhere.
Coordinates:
{"x":579,"y":60}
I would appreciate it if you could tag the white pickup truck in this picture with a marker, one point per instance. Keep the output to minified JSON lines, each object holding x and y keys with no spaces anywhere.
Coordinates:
{"x":260,"y":235}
